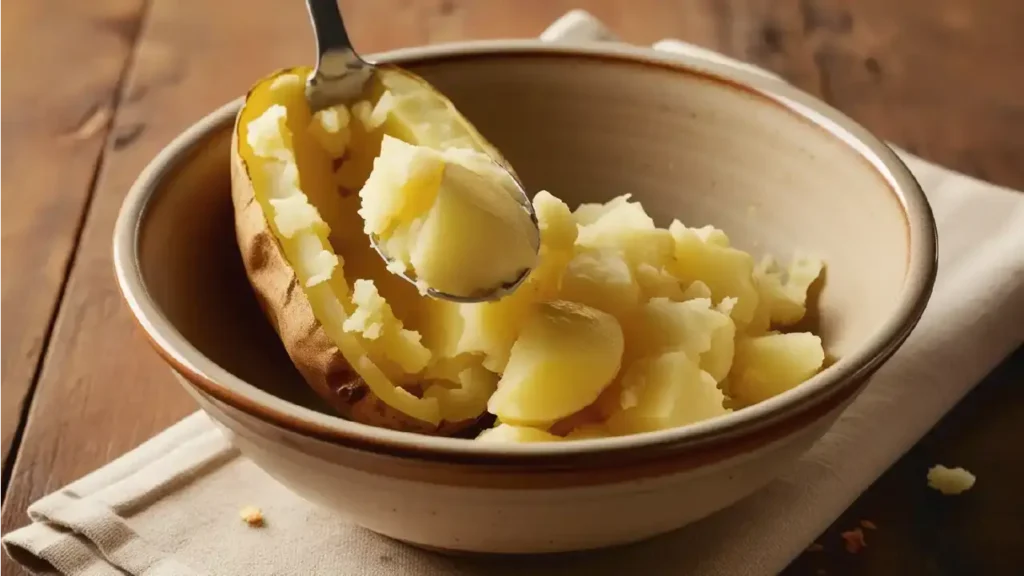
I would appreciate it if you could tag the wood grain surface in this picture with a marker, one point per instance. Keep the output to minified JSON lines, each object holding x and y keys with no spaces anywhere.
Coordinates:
{"x":53,"y":136}
{"x":942,"y":78}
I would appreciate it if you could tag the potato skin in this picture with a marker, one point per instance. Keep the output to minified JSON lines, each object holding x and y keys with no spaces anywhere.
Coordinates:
{"x":286,"y":307}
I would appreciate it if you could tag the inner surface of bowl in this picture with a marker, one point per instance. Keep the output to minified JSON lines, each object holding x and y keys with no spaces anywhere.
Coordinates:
{"x":587,"y":128}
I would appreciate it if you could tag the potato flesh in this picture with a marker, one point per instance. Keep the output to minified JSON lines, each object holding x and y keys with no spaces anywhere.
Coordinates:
{"x":565,"y":356}
{"x":489,"y":329}
{"x":603,"y":280}
{"x":784,"y":294}
{"x":475,"y":239}
{"x":728,"y":272}
{"x":385,"y":335}
{"x":664,"y":392}
{"x":625,"y":227}
{"x":314,"y":251}
{"x":606,"y":257}
{"x":442,"y":217}
{"x":769,"y":365}
{"x":330,"y":128}
{"x":270,"y":148}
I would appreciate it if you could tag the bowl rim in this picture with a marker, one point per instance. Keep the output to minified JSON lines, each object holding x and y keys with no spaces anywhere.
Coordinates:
{"x":838,"y":382}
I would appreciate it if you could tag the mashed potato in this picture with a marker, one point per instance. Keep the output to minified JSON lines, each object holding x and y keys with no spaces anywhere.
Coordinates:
{"x":621,"y":327}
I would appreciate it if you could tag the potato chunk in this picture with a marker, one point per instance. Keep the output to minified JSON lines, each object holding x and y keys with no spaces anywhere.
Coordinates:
{"x":330,"y":128}
{"x":766,"y":366}
{"x":558,"y":234}
{"x":491,"y":328}
{"x":403,"y":185}
{"x":469,"y":224}
{"x":387,"y":339}
{"x":783,"y":294}
{"x":664,"y":392}
{"x":445,"y":217}
{"x":705,"y":255}
{"x":601,"y":279}
{"x":564,"y":357}
{"x":693,"y":327}
{"x":469,"y":400}
{"x":659,"y":283}
{"x":625,"y":226}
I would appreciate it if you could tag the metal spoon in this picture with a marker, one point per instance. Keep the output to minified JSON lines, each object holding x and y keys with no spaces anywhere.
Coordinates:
{"x":340,"y":77}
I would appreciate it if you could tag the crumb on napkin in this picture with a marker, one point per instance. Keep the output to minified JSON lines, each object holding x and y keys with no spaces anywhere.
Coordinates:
{"x":815,"y":547}
{"x":854,"y":540}
{"x":252,"y":516}
{"x":950,"y":481}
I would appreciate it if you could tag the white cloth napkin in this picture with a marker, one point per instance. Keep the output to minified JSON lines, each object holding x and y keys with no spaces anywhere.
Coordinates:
{"x":171,"y":507}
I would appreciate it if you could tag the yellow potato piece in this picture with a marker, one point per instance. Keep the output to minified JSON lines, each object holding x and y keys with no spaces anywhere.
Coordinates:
{"x":728,"y":272}
{"x":330,"y":128}
{"x":588,"y":213}
{"x":457,"y":246}
{"x":601,"y":279}
{"x":783,"y":293}
{"x":625,"y":226}
{"x":469,"y":400}
{"x":444,"y":217}
{"x":402,"y":186}
{"x":693,"y":327}
{"x":558,"y":234}
{"x":387,"y":340}
{"x":766,"y":366}
{"x":564,"y":357}
{"x":668,"y":391}
{"x":491,"y":328}
{"x":660,"y":283}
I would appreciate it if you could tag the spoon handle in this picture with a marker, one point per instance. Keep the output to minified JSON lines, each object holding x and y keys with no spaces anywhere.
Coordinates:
{"x":329,"y":28}
{"x":340,"y":72}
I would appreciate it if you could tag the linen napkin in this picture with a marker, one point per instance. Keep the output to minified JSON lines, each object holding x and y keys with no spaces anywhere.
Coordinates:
{"x":171,"y":507}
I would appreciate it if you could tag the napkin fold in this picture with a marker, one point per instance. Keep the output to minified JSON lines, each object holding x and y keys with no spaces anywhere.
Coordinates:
{"x":171,"y":506}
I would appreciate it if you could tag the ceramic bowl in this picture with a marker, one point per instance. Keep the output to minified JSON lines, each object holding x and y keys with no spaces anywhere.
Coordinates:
{"x":691,"y":139}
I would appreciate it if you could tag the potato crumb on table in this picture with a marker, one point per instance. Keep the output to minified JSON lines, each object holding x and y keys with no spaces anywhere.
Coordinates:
{"x":868,"y":524}
{"x":252,"y":516}
{"x":950,"y":481}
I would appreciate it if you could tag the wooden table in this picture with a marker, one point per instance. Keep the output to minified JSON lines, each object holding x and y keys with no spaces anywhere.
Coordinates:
{"x":941,"y":78}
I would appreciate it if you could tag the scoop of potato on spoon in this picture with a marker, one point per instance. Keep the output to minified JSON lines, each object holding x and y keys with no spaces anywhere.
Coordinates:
{"x":447,"y":217}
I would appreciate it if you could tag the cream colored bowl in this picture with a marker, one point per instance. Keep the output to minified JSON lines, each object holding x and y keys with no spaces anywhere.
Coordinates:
{"x":776,"y":169}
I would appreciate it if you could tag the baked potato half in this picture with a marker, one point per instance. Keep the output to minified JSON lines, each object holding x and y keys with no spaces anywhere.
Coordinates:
{"x":294,"y":179}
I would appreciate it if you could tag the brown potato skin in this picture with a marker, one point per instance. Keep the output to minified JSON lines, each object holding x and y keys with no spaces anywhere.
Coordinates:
{"x":285,"y":305}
